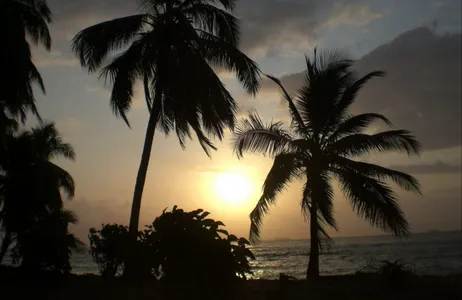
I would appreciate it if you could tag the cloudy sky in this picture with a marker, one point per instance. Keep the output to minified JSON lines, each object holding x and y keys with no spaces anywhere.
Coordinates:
{"x":417,"y":42}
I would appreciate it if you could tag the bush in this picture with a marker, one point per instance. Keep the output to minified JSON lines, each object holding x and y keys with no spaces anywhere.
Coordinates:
{"x":394,"y":272}
{"x":192,"y":247}
{"x":177,"y":246}
{"x":108,"y":247}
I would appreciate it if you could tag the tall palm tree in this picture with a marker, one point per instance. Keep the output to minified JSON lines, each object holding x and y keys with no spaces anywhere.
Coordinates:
{"x":173,"y":47}
{"x":324,"y":142}
{"x":25,"y":20}
{"x":30,"y":183}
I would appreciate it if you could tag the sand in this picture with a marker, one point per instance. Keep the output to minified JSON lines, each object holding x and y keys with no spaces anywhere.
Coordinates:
{"x":364,"y":286}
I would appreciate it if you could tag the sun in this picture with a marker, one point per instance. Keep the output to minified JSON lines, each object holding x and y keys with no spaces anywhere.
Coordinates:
{"x":233,"y":188}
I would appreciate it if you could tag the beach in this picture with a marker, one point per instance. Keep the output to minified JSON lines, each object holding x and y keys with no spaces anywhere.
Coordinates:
{"x":330,"y":287}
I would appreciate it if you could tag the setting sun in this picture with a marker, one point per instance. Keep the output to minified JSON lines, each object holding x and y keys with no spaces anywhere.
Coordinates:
{"x":233,"y":188}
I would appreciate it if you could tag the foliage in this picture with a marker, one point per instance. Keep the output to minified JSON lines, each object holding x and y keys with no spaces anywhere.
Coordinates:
{"x":324,"y":142}
{"x":27,"y":21}
{"x":48,"y":245}
{"x":108,"y":248}
{"x":394,"y":272}
{"x":31,"y":186}
{"x":177,"y":246}
{"x":171,"y":48}
{"x":192,"y":246}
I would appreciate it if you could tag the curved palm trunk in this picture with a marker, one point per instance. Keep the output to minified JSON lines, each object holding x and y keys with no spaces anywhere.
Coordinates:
{"x":5,"y":245}
{"x":131,"y":263}
{"x":313,"y":264}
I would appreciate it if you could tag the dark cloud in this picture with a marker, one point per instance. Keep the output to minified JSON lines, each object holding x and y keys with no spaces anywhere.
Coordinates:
{"x":267,"y":25}
{"x":436,"y":168}
{"x":270,"y":22}
{"x":422,"y":89}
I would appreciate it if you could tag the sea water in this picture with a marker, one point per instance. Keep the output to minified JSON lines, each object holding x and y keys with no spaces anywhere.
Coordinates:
{"x":435,"y":253}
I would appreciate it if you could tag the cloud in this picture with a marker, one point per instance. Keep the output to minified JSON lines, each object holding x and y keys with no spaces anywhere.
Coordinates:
{"x":352,"y":14}
{"x":437,"y":168}
{"x":275,"y":26}
{"x":421,"y":91}
{"x":268,"y":26}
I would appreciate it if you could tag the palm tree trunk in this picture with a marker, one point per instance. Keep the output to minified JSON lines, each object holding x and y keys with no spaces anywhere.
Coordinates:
{"x":5,"y":245}
{"x":313,"y":264}
{"x":131,"y":263}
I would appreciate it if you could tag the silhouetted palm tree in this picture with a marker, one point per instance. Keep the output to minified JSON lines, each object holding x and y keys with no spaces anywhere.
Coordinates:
{"x":22,"y":20}
{"x":173,"y":48}
{"x":48,"y":244}
{"x":324,"y":143}
{"x":30,"y":183}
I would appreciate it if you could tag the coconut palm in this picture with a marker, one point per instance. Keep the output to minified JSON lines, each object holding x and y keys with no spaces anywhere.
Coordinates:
{"x":324,"y":143}
{"x":30,"y":183}
{"x":48,"y":244}
{"x":26,"y":20}
{"x":173,"y":47}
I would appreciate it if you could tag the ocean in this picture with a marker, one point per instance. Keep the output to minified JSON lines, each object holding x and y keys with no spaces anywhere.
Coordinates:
{"x":435,"y":253}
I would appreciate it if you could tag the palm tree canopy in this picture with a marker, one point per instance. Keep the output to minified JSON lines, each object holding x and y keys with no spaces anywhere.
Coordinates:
{"x":174,"y":48}
{"x":323,"y":142}
{"x":25,"y":20}
{"x":30,"y":183}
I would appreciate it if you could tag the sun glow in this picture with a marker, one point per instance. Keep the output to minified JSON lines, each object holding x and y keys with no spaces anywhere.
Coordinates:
{"x":233,"y":188}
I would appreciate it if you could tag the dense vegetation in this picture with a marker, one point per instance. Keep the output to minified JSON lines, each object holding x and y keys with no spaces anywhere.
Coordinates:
{"x":178,"y":246}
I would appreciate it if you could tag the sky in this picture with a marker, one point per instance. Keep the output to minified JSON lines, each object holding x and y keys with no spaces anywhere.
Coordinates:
{"x":417,"y":42}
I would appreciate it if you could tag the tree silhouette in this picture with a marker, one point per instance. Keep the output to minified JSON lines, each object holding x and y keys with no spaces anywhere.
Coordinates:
{"x":323,"y":143}
{"x":47,"y":244}
{"x":173,"y":47}
{"x":30,"y":183}
{"x":25,"y":20}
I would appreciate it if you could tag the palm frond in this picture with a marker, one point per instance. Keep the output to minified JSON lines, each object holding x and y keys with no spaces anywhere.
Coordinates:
{"x":374,"y":201}
{"x":215,"y":21}
{"x":65,"y":181}
{"x":320,"y":190}
{"x":223,"y":54}
{"x":297,"y":121}
{"x":252,"y":135}
{"x":93,"y":44}
{"x":403,"y":180}
{"x":324,"y":81}
{"x":123,"y":71}
{"x":325,"y":241}
{"x":36,"y":24}
{"x":393,"y":140}
{"x":350,"y":93}
{"x":285,"y":169}
{"x":356,"y":124}
{"x":229,"y":5}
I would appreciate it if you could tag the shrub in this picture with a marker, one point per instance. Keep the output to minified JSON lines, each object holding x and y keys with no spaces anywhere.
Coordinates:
{"x":177,"y":246}
{"x":395,"y":273}
{"x":108,"y":247}
{"x":192,"y":247}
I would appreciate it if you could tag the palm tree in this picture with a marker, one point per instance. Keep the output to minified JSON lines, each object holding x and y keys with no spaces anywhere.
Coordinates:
{"x":173,"y":47}
{"x":25,"y":20}
{"x":30,"y":183}
{"x":48,"y":244}
{"x":324,"y":142}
